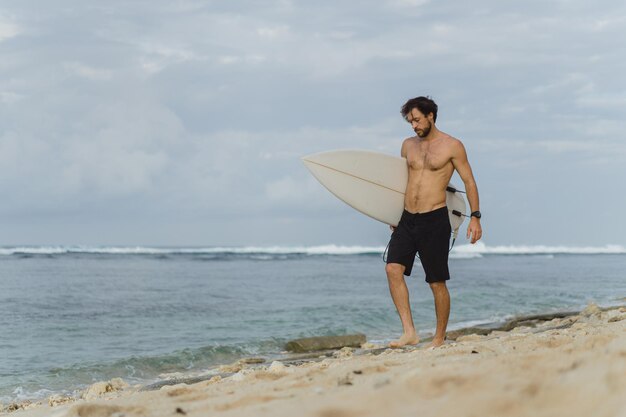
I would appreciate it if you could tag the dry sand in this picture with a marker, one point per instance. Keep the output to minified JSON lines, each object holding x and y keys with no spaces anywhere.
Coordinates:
{"x":574,"y":366}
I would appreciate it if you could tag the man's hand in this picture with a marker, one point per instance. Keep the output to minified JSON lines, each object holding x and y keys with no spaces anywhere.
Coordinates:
{"x":393,"y":229}
{"x":474,"y":230}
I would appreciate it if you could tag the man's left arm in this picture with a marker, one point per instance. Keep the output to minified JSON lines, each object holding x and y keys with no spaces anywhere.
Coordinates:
{"x":462,"y":166}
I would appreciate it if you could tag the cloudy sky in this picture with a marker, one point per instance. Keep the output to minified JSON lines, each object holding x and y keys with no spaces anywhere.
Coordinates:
{"x":181,"y":122}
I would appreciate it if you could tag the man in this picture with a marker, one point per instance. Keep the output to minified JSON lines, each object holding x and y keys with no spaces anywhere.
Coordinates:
{"x":432,"y":156}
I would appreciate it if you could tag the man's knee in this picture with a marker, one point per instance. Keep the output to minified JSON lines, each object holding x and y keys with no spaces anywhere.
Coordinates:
{"x":394,"y":271}
{"x":438,"y":285}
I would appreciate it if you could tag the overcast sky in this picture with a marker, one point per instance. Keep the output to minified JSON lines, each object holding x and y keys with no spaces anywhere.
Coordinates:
{"x":181,"y":122}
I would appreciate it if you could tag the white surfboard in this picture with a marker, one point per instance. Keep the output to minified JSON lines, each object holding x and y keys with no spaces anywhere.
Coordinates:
{"x":373,"y":183}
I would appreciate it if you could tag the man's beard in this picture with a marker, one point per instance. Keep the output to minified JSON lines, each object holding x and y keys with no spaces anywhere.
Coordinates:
{"x":425,"y":131}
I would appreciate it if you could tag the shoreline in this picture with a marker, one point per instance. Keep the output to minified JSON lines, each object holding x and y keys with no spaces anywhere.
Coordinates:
{"x":539,"y":327}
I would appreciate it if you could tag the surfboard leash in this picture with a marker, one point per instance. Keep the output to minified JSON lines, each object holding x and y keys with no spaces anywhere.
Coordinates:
{"x":454,"y":190}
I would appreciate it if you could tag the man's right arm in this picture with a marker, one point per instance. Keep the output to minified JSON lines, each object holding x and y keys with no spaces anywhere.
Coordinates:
{"x":403,"y":150}
{"x":403,"y":153}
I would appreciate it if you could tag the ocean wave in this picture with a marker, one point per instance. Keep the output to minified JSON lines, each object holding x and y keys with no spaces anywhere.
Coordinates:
{"x":241,"y":250}
{"x":272,"y":252}
{"x":480,"y":249}
{"x":71,"y":380}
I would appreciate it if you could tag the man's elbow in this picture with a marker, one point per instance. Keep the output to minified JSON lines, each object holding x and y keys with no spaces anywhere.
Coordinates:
{"x":470,"y":183}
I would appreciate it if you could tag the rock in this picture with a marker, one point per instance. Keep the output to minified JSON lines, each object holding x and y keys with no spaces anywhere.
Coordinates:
{"x":118,"y":384}
{"x":310,"y":344}
{"x":521,"y":329}
{"x":24,"y":405}
{"x":232,"y":368}
{"x":469,"y":338}
{"x":345,"y":352}
{"x":239,"y":376}
{"x":368,"y":345}
{"x":55,"y":400}
{"x":100,"y":388}
{"x":277,"y":368}
{"x":455,"y":334}
{"x":592,"y":309}
{"x":251,"y":361}
{"x":172,"y":375}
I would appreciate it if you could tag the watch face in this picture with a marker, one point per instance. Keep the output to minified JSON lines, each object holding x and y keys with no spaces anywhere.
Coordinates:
{"x":476,"y":214}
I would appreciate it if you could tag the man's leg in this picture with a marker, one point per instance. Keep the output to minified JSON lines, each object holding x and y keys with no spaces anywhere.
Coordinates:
{"x":442,"y":309}
{"x":400,"y":295}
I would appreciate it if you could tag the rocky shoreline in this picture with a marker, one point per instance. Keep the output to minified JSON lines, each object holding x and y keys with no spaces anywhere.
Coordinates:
{"x":481,"y":339}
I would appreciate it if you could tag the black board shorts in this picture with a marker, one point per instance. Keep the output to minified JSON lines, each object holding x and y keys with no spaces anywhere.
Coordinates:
{"x":427,"y":234}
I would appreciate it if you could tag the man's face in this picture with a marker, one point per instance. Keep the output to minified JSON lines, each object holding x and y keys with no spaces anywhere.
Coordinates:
{"x":421,"y":124}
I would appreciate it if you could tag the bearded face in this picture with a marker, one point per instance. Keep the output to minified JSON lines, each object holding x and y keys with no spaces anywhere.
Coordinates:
{"x":421,"y":124}
{"x":424,"y":131}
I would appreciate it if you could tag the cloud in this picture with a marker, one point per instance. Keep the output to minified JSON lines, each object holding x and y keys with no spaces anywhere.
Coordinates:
{"x":274,"y":32}
{"x":86,"y":71}
{"x":202,"y":109}
{"x":8,"y":29}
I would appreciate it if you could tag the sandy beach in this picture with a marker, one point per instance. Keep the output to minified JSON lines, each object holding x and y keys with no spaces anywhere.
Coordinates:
{"x":572,"y":366}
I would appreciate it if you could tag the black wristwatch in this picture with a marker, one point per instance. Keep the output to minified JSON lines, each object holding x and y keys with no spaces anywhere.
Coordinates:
{"x":476,"y":214}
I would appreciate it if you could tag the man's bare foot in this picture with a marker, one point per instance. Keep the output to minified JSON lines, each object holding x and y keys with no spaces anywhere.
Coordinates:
{"x":405,"y":339}
{"x":437,"y":342}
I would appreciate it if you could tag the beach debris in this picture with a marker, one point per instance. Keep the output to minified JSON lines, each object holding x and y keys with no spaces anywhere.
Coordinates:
{"x":100,"y":388}
{"x":357,"y":372}
{"x":180,"y":411}
{"x":277,"y":368}
{"x":368,"y":346}
{"x":343,"y":353}
{"x":310,"y":344}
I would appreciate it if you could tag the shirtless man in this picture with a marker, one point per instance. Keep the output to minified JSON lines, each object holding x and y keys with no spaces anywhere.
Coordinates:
{"x":432,"y":156}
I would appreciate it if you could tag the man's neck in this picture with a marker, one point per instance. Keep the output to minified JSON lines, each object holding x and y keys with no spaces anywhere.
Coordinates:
{"x":433,"y":134}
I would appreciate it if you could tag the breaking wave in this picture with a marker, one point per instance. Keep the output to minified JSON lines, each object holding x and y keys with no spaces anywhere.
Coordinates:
{"x":270,"y":252}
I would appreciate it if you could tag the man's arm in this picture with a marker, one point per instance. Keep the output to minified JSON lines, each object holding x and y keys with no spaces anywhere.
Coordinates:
{"x":462,"y":166}
{"x":403,"y":153}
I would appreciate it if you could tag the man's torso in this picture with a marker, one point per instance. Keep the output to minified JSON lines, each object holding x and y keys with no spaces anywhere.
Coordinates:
{"x":430,"y":169}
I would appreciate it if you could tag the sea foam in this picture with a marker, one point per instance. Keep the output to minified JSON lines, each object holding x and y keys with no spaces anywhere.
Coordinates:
{"x":460,"y":251}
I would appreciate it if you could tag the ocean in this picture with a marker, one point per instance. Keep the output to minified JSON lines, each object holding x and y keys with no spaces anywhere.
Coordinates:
{"x":71,"y":316}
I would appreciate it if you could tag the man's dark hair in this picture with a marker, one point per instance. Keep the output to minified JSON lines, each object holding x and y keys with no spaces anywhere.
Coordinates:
{"x":425,"y":105}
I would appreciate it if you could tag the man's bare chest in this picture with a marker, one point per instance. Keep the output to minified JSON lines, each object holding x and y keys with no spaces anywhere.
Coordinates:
{"x":430,"y":158}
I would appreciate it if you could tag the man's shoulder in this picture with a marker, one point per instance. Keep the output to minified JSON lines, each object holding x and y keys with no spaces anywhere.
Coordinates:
{"x":452,"y":141}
